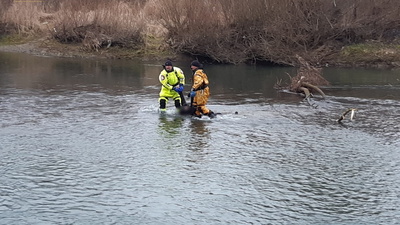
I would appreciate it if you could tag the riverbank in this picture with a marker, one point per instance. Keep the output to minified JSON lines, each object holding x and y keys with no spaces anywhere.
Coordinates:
{"x":47,"y":46}
{"x":370,"y":54}
{"x":367,"y":55}
{"x":275,"y":32}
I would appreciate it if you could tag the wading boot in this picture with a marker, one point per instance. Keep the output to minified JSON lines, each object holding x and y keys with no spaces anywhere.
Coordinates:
{"x":197,"y":114}
{"x":163,"y":106}
{"x":211,"y":114}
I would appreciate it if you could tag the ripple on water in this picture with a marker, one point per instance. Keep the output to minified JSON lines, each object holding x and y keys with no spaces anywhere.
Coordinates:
{"x":86,"y":157}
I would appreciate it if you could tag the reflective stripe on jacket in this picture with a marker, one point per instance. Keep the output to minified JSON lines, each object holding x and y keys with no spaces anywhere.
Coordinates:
{"x":170,"y":79}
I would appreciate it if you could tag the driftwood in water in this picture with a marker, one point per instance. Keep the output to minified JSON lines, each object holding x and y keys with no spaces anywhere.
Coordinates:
{"x":309,"y":86}
{"x":352,"y":114}
{"x":307,"y":78}
{"x":306,"y":81}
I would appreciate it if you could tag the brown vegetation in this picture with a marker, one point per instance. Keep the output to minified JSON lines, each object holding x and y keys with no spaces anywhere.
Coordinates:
{"x":95,"y":24}
{"x":276,"y":30}
{"x":307,"y":80}
{"x":227,"y":31}
{"x":99,"y":24}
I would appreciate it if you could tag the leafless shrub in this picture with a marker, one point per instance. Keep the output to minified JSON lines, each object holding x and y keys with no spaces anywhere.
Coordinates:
{"x":21,"y":16}
{"x":4,"y":5}
{"x":192,"y":26}
{"x":100,"y":23}
{"x":118,"y":22}
{"x":275,"y":30}
{"x":4,"y":27}
{"x":228,"y":31}
{"x":307,"y":73}
{"x":51,"y":6}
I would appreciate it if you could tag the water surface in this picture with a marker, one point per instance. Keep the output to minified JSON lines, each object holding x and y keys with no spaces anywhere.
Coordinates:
{"x":82,"y":142}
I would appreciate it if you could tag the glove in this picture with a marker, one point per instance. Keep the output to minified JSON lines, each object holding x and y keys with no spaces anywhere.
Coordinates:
{"x":192,"y":94}
{"x":180,"y":88}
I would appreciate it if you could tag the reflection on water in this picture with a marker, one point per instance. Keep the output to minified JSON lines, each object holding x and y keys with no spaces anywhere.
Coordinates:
{"x":82,"y":142}
{"x":200,"y":135}
{"x":170,"y":127}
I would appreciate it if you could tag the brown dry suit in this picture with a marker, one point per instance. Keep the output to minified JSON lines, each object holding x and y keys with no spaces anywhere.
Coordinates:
{"x":200,"y":86}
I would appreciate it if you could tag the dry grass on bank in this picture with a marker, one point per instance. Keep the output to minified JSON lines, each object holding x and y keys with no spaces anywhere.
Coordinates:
{"x":277,"y":30}
{"x":95,"y":24}
{"x":227,"y":31}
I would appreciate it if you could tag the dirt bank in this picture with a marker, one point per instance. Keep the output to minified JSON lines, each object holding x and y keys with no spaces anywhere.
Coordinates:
{"x":50,"y":47}
{"x":368,"y":55}
{"x":324,"y":33}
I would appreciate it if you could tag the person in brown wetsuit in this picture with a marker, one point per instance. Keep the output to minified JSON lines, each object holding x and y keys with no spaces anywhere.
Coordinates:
{"x":200,"y":91}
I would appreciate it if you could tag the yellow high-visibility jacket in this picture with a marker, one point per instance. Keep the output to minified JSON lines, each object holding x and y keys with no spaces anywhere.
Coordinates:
{"x":169,"y":80}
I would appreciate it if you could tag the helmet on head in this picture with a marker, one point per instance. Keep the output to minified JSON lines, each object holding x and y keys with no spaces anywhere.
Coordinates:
{"x":196,"y":64}
{"x":168,"y":63}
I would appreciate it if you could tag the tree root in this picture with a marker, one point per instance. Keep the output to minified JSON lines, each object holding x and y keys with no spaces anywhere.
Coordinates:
{"x":306,"y":91}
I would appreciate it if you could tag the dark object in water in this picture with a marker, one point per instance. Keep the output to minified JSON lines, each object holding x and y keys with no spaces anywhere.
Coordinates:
{"x":187,"y":110}
{"x":352,"y":114}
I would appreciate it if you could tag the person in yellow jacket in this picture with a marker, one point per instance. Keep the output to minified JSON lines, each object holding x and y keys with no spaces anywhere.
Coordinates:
{"x":172,"y":80}
{"x":200,"y":91}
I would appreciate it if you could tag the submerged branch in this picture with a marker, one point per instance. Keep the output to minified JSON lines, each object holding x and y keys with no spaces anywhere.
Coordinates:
{"x":313,"y":87}
{"x":306,"y":92}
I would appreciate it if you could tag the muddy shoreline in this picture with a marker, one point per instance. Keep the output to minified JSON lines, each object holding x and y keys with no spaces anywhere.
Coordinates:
{"x":49,"y":47}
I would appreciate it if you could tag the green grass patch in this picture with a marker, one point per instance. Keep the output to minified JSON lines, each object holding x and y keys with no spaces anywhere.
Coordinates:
{"x":371,"y":53}
{"x":12,"y":39}
{"x":16,"y":39}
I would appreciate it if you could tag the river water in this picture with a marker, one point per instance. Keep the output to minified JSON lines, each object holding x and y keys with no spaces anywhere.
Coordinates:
{"x":82,"y":142}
